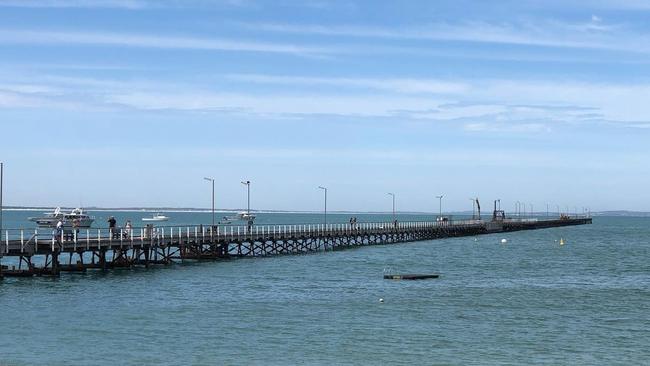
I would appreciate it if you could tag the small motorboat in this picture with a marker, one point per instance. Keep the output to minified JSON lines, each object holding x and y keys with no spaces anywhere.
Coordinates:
{"x":156,"y":217}
{"x":225,"y":221}
{"x":246,"y":216}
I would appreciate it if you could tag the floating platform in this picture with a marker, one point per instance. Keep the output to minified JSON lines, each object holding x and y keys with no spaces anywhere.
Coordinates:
{"x":410,"y":276}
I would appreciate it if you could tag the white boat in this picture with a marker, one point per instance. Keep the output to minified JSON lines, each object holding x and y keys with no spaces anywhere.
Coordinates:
{"x":226,"y":220}
{"x":156,"y":217}
{"x":50,"y":219}
{"x":246,"y":216}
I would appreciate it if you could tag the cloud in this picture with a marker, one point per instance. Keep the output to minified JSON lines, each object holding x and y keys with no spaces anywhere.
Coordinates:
{"x":124,"y":4}
{"x":398,"y":85}
{"x":593,"y":34}
{"x":524,"y":105}
{"x":151,"y":41}
{"x":120,"y":4}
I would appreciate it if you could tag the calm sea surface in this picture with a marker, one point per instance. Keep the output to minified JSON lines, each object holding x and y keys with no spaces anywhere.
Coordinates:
{"x":530,"y":301}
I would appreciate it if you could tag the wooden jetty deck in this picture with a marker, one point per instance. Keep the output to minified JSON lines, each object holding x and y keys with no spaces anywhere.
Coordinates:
{"x":38,"y":252}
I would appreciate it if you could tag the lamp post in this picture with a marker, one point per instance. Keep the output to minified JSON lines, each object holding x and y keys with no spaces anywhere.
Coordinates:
{"x":547,"y":210}
{"x":517,"y":208}
{"x":440,"y":206}
{"x":212,"y":181}
{"x":473,"y":208}
{"x":393,"y":195}
{"x":248,"y":200}
{"x":325,"y":190}
{"x":531,"y":209}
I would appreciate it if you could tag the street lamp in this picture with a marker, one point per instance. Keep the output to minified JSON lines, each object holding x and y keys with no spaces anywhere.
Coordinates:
{"x":393,"y":195}
{"x":248,"y":205}
{"x":440,"y":206}
{"x":325,"y":190}
{"x":473,"y":208}
{"x":212,"y":181}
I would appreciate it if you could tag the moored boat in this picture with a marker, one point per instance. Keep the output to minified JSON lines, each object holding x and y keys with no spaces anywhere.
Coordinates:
{"x":50,"y":219}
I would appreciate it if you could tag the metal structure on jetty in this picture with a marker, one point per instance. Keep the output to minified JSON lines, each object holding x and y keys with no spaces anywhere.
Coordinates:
{"x":41,"y":253}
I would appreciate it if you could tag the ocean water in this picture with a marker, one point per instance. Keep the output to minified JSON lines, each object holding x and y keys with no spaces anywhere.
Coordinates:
{"x":530,"y":301}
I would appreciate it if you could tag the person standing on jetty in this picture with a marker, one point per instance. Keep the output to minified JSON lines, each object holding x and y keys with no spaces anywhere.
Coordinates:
{"x":111,"y":225}
{"x":127,"y":229}
{"x":59,"y":231}
{"x":75,"y":228}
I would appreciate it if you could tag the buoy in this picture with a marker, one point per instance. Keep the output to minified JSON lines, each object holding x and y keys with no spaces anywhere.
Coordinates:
{"x":503,"y":241}
{"x":561,"y":241}
{"x":381,"y":300}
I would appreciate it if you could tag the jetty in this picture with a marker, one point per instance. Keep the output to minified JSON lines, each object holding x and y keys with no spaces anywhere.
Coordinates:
{"x":40,"y":253}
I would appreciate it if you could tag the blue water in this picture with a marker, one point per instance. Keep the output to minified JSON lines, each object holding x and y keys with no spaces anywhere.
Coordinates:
{"x":530,"y":301}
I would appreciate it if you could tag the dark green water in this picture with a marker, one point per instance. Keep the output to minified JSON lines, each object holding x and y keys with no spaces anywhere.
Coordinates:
{"x":530,"y":301}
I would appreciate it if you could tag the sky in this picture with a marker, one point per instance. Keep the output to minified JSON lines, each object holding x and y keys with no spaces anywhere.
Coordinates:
{"x":118,"y":103}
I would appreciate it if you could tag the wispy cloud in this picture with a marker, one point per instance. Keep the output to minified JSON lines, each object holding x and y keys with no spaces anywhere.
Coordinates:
{"x":477,"y":105}
{"x":120,"y":4}
{"x":151,"y":41}
{"x":591,"y":34}
{"x":399,"y":85}
{"x":125,"y":4}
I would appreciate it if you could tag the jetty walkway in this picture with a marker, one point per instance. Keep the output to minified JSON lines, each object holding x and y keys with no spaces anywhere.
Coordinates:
{"x":39,"y":253}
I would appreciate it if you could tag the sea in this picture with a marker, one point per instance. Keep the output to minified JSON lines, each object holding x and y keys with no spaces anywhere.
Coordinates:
{"x":529,"y":301}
